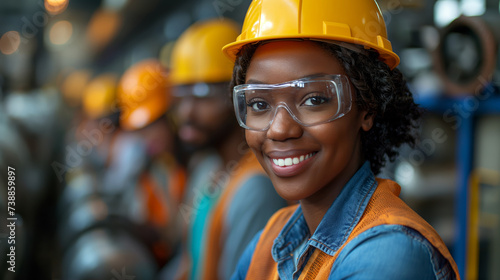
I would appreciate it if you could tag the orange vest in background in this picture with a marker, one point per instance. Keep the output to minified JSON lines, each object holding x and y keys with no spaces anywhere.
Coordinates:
{"x":164,"y":190}
{"x":163,"y":187}
{"x":247,"y":167}
{"x":384,"y":208}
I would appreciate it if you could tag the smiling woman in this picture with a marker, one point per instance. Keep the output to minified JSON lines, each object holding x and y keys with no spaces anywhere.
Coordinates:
{"x":324,"y":109}
{"x":332,"y":148}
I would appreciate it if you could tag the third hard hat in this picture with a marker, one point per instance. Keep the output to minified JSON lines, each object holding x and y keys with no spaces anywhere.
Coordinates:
{"x":143,"y":94}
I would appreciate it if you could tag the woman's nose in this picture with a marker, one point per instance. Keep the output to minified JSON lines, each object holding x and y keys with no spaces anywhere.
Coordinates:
{"x":284,"y":126}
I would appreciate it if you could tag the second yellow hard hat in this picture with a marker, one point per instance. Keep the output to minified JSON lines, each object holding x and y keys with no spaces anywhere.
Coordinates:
{"x":197,"y":57}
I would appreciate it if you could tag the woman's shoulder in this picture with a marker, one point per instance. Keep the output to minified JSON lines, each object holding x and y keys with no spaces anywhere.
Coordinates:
{"x":390,"y":251}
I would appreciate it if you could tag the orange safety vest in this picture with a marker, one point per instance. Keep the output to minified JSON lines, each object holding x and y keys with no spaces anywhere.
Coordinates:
{"x":163,"y":187}
{"x":384,"y":207}
{"x":247,"y":167}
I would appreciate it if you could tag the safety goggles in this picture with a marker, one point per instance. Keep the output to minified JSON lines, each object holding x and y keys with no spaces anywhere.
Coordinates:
{"x":202,"y":90}
{"x":310,"y":101}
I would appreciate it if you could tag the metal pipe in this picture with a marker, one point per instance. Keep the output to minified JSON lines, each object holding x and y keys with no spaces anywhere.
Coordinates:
{"x":467,"y":56}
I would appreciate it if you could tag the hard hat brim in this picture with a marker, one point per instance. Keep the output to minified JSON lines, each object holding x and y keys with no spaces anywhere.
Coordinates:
{"x":390,"y":58}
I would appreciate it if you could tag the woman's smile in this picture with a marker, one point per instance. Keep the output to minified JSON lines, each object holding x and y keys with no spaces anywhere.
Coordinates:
{"x":284,"y":165}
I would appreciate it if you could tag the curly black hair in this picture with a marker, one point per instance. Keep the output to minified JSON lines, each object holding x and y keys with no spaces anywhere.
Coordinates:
{"x":379,"y":90}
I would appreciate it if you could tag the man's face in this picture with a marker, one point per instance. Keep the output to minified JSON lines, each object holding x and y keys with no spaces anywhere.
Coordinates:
{"x":204,"y":120}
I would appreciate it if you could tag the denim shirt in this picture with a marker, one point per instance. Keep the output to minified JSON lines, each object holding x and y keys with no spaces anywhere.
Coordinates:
{"x":382,"y":252}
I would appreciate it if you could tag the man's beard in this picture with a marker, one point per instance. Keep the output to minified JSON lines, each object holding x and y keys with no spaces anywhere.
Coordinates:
{"x":215,"y":137}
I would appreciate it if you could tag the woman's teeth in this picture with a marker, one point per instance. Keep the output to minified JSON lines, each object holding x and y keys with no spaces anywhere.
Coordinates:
{"x":291,"y":161}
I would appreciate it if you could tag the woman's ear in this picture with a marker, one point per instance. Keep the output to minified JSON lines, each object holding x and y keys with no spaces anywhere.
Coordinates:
{"x":367,"y":120}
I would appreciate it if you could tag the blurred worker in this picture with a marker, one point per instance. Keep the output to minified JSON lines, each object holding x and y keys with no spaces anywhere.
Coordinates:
{"x":72,"y":85}
{"x":89,"y":138}
{"x":96,"y":134}
{"x":101,"y":119}
{"x":126,"y":215}
{"x":143,"y":98}
{"x":230,"y":197}
{"x":84,"y":203}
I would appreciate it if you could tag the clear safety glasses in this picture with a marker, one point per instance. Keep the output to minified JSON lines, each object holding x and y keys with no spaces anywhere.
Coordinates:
{"x":310,"y":101}
{"x":202,"y":90}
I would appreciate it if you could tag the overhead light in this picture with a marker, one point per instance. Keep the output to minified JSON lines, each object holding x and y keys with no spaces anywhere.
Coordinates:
{"x":103,"y":27}
{"x":55,"y":7}
{"x":9,"y":42}
{"x":445,"y":11}
{"x":406,"y":175}
{"x":473,"y":7}
{"x":60,"y":32}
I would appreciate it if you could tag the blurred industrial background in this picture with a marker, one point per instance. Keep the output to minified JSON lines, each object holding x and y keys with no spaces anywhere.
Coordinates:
{"x":53,"y":51}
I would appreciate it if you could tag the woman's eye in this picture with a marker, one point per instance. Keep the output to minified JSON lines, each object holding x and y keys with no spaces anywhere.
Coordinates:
{"x":315,"y":100}
{"x":258,"y":106}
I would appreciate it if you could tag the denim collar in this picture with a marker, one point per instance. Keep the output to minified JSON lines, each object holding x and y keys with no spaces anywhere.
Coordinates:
{"x":336,"y":225}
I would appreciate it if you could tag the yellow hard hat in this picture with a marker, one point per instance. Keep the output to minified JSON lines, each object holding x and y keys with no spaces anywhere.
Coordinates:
{"x":352,"y":21}
{"x":99,"y":95}
{"x":73,"y":85}
{"x":196,"y":56}
{"x":143,"y":94}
